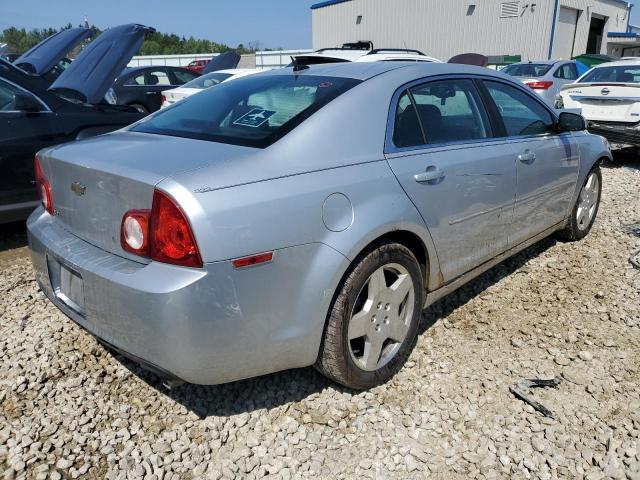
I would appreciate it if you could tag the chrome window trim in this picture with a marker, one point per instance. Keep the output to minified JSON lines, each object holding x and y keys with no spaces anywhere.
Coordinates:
{"x":390,"y":147}
{"x":46,"y":107}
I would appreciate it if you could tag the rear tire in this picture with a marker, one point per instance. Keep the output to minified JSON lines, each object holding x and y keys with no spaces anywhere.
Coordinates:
{"x":585,"y":210}
{"x":373,"y":321}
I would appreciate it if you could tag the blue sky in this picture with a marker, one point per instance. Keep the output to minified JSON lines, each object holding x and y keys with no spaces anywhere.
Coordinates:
{"x":274,"y":23}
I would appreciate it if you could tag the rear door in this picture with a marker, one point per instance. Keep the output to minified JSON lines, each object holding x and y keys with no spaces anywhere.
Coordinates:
{"x":547,"y":162}
{"x":441,"y":147}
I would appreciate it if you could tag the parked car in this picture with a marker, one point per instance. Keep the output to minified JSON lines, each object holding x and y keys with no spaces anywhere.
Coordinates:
{"x":198,"y":65}
{"x":361,"y":54}
{"x":305,"y":216}
{"x":169,"y":97}
{"x":142,"y":87}
{"x":609,"y":98}
{"x":546,"y":78}
{"x":32,"y":117}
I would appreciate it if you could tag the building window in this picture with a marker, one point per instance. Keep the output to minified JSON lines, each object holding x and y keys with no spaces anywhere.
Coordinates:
{"x":359,"y":20}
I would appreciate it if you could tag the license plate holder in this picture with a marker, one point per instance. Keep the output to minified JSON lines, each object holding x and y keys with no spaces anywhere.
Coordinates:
{"x":67,"y":285}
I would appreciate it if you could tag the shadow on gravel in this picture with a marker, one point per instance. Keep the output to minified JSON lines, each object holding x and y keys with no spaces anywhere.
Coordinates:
{"x":624,"y":159}
{"x":13,"y":235}
{"x":281,"y":388}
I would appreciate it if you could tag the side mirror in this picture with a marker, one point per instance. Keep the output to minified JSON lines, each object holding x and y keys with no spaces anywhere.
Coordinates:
{"x":571,"y":122}
{"x":25,"y":102}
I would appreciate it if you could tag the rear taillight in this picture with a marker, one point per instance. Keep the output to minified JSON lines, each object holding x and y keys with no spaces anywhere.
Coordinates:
{"x":43,"y":186}
{"x":546,"y":85}
{"x":164,"y":99}
{"x":162,"y":234}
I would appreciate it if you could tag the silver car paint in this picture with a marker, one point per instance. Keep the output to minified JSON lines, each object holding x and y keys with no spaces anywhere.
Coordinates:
{"x":219,"y":324}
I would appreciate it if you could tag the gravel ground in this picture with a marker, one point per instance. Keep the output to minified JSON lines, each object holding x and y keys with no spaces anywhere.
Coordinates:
{"x":70,"y":409}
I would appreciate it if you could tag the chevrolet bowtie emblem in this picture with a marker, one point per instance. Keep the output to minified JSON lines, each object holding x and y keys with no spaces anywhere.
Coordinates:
{"x":78,"y":188}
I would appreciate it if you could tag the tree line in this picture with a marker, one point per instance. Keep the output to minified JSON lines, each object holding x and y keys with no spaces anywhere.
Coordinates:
{"x":19,"y":40}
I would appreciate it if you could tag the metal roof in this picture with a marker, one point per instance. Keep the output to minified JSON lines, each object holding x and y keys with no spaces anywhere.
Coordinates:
{"x":327,"y":3}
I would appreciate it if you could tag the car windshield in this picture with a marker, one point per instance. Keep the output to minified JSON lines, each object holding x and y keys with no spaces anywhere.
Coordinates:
{"x":527,"y":69}
{"x":206,"y":81}
{"x":254,"y":111}
{"x":622,"y":74}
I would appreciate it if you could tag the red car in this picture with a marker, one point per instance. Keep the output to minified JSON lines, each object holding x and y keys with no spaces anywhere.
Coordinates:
{"x":197,"y":65}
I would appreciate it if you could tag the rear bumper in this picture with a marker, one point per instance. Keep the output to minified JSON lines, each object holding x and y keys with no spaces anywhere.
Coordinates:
{"x":206,"y":326}
{"x":616,"y":132}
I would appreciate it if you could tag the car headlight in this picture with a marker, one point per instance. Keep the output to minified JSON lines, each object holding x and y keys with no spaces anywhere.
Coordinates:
{"x":111,"y":97}
{"x":559,"y":102}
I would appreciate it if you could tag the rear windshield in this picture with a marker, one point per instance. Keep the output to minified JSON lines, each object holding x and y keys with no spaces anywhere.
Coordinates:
{"x":612,"y":74}
{"x":206,"y":81}
{"x":527,"y":69}
{"x":254,"y":111}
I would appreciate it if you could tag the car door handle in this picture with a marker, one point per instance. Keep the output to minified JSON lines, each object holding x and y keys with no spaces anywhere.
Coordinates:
{"x":431,"y":174}
{"x":152,"y":93}
{"x":527,"y":157}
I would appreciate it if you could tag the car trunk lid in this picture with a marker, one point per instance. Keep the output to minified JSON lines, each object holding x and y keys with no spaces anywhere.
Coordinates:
{"x":611,"y":102}
{"x":94,"y":182}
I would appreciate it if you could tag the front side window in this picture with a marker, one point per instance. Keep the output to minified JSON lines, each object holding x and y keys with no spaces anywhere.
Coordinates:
{"x":7,"y":91}
{"x":440,"y":112}
{"x":521,"y":114}
{"x":254,"y":111}
{"x":183,"y":76}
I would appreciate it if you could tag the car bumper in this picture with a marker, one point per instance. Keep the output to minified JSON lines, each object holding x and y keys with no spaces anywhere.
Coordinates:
{"x":616,"y":133}
{"x":207,"y":326}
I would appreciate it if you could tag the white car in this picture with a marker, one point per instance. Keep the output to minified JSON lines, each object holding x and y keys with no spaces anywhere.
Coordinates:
{"x":608,"y":96}
{"x":212,"y":79}
{"x":336,"y":55}
{"x":545,"y":77}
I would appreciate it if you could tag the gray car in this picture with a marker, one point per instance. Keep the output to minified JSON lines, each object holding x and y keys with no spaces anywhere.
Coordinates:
{"x":305,"y":216}
{"x":546,"y":78}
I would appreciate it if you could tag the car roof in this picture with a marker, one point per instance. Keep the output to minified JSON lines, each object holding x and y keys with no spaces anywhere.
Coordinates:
{"x":235,"y":71}
{"x":366,"y":70}
{"x":619,"y":63}
{"x":539,"y":62}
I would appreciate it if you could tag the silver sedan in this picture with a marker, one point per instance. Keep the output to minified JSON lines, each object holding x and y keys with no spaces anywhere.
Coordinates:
{"x":305,"y":216}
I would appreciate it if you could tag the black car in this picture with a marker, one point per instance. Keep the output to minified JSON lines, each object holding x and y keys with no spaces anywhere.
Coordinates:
{"x":142,"y":87}
{"x":33,"y":117}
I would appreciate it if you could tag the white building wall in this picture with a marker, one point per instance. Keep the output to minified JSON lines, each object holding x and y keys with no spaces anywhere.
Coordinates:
{"x":443,"y":28}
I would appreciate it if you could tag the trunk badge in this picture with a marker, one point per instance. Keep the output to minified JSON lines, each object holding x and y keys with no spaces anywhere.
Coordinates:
{"x":605,"y":91}
{"x":78,"y":188}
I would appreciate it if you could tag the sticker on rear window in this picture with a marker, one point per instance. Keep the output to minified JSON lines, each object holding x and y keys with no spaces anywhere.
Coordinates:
{"x":255,"y":117}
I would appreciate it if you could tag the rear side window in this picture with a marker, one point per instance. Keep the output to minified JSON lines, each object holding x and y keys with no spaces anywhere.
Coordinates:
{"x":254,"y":111}
{"x":440,"y":112}
{"x":521,"y":114}
{"x":567,"y":71}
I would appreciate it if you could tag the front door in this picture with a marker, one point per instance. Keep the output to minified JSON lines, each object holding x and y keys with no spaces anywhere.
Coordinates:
{"x":547,"y":162}
{"x":460,"y":178}
{"x":22,"y":134}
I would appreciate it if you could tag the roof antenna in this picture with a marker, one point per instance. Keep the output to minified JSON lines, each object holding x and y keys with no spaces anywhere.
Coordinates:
{"x":297,"y":64}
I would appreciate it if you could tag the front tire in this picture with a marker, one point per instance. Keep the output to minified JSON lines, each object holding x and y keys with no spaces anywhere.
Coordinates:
{"x":373,"y":321}
{"x":585,"y":210}
{"x":139,"y":107}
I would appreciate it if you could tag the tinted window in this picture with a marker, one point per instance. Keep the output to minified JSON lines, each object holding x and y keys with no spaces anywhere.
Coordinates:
{"x":156,"y":77}
{"x":208,"y":80}
{"x":567,"y":71}
{"x":527,"y":69}
{"x":407,"y":131}
{"x":253,"y":111}
{"x":522,"y":115}
{"x":182,"y":76}
{"x":136,"y":80}
{"x":7,"y":92}
{"x":630,"y":74}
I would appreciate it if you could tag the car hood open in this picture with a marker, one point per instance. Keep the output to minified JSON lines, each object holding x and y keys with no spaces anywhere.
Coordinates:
{"x":46,"y":54}
{"x":100,"y":63}
{"x":224,"y":61}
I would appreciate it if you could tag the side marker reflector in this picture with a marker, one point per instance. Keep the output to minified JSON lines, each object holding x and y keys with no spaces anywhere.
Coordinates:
{"x":253,"y":260}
